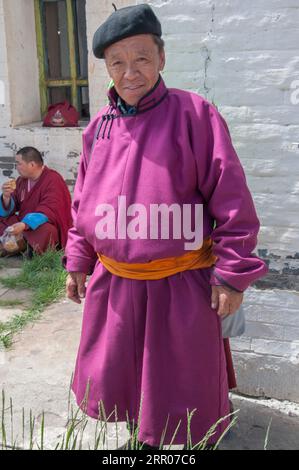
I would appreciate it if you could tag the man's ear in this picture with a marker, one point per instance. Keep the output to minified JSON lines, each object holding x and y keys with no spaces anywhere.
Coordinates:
{"x":162,"y":60}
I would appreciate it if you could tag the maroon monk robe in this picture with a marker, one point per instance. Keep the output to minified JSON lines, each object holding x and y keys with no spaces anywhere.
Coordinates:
{"x":51,"y":197}
{"x":231,"y":377}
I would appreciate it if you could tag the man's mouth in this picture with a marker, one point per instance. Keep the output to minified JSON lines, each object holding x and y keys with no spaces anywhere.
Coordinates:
{"x":132,"y":88}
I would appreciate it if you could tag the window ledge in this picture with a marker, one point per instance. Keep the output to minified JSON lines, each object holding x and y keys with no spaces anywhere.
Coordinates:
{"x":39,"y":125}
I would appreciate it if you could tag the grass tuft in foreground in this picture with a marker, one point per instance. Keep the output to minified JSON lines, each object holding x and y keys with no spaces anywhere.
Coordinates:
{"x":45,"y":277}
{"x":33,"y":435}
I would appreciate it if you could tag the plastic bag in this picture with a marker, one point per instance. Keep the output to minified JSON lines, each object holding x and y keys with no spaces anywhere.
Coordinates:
{"x":9,"y":241}
{"x":234,"y":325}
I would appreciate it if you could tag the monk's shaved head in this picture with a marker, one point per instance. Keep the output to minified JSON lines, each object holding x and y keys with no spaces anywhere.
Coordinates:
{"x":31,"y":154}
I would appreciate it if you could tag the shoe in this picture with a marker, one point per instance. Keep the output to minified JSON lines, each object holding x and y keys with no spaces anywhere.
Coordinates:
{"x":140,"y":446}
{"x":29,"y":252}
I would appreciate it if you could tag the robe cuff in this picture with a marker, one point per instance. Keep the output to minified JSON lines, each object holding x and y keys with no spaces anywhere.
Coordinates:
{"x":79,"y":265}
{"x":6,"y":212}
{"x":34,"y":220}
{"x":217,"y":280}
{"x":238,"y":281}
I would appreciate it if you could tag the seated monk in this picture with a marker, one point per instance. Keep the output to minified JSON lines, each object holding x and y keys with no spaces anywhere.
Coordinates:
{"x":37,"y":206}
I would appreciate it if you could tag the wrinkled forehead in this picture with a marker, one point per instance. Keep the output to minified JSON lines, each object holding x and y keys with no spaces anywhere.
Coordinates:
{"x":138,"y":44}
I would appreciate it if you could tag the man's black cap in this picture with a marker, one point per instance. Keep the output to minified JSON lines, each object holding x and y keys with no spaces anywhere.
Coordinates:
{"x":125,"y":22}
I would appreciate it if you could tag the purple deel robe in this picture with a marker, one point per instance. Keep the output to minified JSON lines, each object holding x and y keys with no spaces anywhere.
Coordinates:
{"x":156,"y":347}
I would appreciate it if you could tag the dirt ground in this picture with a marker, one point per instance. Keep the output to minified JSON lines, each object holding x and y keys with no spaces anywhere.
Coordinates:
{"x":36,"y":371}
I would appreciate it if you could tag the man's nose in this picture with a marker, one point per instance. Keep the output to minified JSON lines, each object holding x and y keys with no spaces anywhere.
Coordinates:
{"x":131,"y":72}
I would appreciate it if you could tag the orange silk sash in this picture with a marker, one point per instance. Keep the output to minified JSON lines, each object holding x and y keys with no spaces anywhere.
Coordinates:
{"x":163,"y":267}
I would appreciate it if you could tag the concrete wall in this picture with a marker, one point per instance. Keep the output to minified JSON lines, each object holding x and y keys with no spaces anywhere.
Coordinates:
{"x":22,"y":61}
{"x":5,"y":116}
{"x":243,"y":56}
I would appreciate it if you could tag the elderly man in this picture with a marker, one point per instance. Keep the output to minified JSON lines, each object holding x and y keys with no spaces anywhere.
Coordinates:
{"x":151,"y":341}
{"x":37,"y":207}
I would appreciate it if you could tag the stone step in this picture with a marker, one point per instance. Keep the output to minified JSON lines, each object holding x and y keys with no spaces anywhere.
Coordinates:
{"x":9,"y":272}
{"x":21,"y":295}
{"x":7,"y":313}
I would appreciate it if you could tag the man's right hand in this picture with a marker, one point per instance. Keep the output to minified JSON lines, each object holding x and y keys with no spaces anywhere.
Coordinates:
{"x":75,"y":286}
{"x":7,"y":190}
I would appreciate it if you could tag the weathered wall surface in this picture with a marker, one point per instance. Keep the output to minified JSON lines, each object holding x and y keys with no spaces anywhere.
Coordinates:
{"x":243,"y":56}
{"x":20,"y":109}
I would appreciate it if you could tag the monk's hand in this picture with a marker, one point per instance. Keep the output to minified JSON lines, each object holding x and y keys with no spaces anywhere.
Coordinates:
{"x":17,"y":229}
{"x":75,"y":286}
{"x":226,"y":300}
{"x":7,"y":189}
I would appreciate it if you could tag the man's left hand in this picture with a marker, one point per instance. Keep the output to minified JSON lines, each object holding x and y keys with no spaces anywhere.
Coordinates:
{"x":17,"y":229}
{"x":225,"y":300}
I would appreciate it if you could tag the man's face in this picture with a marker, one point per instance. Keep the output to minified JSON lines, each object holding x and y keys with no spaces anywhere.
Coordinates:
{"x":23,"y":168}
{"x":134,"y":64}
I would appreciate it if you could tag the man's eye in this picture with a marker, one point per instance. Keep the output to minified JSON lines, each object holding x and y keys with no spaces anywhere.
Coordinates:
{"x":141,"y":59}
{"x":116,"y":63}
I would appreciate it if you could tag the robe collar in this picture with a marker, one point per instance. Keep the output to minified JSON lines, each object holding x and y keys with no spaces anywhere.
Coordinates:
{"x":152,"y":99}
{"x":119,"y":109}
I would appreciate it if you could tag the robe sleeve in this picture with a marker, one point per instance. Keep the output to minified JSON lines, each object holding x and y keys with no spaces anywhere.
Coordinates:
{"x":223,"y":185}
{"x":6,"y":211}
{"x":79,"y":254}
{"x":34,"y":220}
